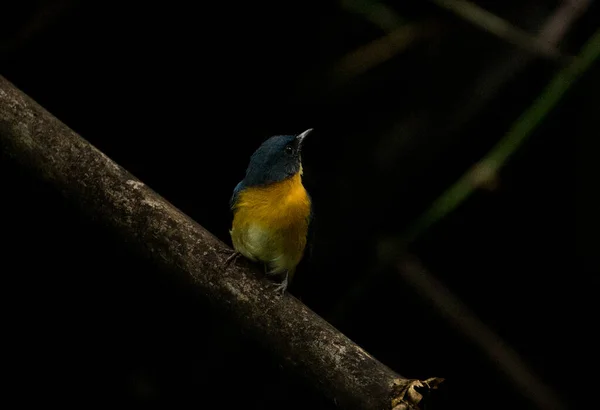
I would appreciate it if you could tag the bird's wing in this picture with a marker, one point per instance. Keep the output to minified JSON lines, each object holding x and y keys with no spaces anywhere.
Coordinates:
{"x":236,"y":191}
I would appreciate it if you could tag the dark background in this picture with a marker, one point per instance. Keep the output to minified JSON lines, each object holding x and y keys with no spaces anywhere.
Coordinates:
{"x":181,"y":95}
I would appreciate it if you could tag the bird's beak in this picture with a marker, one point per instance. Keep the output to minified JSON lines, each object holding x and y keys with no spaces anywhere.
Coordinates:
{"x":301,"y":137}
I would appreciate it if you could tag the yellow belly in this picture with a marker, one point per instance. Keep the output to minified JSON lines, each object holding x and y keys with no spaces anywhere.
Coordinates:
{"x":270,"y":224}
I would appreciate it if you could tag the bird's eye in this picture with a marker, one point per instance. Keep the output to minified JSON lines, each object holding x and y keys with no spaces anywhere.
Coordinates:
{"x":289,"y":149}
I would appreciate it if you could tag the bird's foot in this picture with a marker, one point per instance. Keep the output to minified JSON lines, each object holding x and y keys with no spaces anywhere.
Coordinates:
{"x":281,"y":287}
{"x":233,"y":256}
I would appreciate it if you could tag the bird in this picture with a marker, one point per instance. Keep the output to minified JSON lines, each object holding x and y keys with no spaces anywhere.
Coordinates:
{"x":272,"y":210}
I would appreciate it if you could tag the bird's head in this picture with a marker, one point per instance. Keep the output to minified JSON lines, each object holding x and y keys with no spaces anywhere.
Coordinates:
{"x":276,"y":159}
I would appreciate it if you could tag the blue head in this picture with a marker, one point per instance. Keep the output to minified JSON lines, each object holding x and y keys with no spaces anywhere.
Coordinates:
{"x":276,"y":159}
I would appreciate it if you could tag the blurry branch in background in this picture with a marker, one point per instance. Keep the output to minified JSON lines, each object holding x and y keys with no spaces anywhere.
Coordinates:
{"x":485,"y":172}
{"x":500,"y":27}
{"x":505,"y":68}
{"x":365,"y":58}
{"x":557,"y":26}
{"x":374,"y":11}
{"x":399,"y":36}
{"x":302,"y":341}
{"x":459,"y":315}
{"x":486,"y":87}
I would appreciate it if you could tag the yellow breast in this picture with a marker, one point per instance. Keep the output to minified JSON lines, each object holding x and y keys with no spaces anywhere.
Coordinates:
{"x":270,"y":223}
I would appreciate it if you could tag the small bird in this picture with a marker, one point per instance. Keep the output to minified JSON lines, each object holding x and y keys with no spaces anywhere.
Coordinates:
{"x":272,"y":211}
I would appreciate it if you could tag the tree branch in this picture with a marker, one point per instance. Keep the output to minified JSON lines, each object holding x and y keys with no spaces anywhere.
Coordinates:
{"x":303,"y":341}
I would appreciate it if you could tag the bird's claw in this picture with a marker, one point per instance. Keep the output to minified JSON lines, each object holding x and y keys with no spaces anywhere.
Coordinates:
{"x":232,"y":257}
{"x":281,"y":287}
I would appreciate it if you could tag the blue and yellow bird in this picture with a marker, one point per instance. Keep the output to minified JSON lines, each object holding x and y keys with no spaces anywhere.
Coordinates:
{"x":272,"y":210}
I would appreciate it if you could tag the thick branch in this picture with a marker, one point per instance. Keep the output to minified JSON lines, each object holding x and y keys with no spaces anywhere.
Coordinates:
{"x":301,"y":339}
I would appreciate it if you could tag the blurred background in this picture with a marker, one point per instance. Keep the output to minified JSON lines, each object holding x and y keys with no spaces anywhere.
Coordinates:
{"x":425,"y":142}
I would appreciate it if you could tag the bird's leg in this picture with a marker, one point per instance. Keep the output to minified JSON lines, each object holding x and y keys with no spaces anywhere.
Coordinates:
{"x":233,"y":255}
{"x":282,"y":287}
